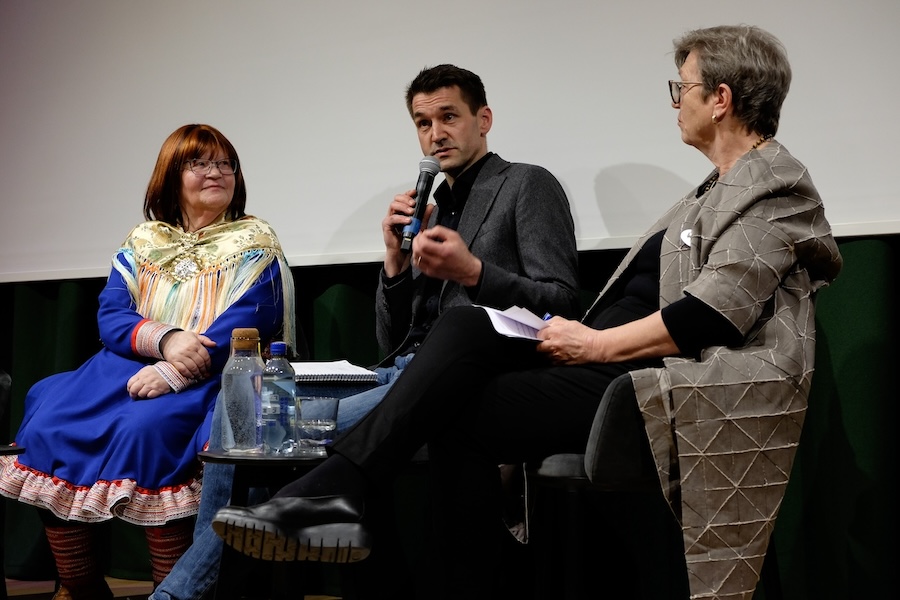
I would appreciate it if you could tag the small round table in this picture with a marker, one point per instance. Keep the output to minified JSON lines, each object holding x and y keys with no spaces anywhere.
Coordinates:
{"x":251,"y":471}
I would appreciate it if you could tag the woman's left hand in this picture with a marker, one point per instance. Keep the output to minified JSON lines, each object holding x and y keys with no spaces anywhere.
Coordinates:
{"x":187,"y":352}
{"x":147,"y":383}
{"x":568,"y":342}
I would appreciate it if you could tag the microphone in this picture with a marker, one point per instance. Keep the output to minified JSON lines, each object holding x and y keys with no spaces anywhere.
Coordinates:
{"x":428,"y":168}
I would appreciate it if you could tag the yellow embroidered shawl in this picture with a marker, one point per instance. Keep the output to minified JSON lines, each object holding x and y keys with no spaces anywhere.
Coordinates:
{"x":189,"y":279}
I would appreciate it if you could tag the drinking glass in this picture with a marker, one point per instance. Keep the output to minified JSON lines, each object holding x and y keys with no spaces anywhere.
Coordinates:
{"x":316,"y":422}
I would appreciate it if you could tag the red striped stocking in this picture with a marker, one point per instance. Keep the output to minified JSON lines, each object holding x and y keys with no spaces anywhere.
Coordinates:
{"x":75,"y":549}
{"x":166,"y":545}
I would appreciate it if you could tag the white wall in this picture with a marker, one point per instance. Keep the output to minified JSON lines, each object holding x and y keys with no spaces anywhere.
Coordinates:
{"x":311,"y":94}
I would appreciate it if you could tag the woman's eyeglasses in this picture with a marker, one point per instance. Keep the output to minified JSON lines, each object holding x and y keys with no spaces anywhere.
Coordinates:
{"x":201,"y":166}
{"x":677,"y":89}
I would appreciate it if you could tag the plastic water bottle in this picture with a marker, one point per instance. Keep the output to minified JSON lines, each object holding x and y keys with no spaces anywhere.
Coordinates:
{"x":241,"y":408}
{"x":278,"y":401}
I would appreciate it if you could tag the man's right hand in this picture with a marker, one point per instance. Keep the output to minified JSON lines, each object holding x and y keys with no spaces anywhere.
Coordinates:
{"x":399,"y":216}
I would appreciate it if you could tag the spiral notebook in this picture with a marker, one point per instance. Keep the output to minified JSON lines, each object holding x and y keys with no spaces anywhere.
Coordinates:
{"x":332,"y":371}
{"x":338,"y":379}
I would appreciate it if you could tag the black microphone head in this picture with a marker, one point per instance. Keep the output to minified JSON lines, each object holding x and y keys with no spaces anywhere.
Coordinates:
{"x":430,"y":164}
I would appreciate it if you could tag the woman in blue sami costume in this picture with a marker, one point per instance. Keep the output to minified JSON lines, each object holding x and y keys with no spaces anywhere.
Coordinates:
{"x":119,"y":437}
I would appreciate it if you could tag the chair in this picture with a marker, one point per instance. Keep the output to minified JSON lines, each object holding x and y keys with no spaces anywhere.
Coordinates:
{"x":617,"y":456}
{"x":575,"y":495}
{"x":616,"y":477}
{"x":5,"y":385}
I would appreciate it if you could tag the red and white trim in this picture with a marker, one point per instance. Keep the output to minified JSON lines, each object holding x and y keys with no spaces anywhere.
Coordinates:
{"x":102,"y":501}
{"x":147,"y":335}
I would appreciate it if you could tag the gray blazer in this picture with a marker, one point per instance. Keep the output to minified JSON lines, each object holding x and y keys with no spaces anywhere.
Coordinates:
{"x":518,"y":222}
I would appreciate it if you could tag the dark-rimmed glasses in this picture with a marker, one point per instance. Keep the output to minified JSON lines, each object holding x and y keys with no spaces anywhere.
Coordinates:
{"x":201,"y":166}
{"x":677,"y":88}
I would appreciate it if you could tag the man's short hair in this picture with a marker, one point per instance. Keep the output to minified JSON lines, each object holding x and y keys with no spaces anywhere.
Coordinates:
{"x":431,"y":79}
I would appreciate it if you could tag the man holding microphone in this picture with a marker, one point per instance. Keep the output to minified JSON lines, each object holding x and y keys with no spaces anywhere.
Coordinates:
{"x":501,"y":234}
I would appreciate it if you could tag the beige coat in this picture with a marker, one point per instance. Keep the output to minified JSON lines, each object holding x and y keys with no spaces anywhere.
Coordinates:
{"x":759,"y":247}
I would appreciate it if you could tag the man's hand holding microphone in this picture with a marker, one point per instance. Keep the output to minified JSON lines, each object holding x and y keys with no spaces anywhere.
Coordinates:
{"x":438,"y":251}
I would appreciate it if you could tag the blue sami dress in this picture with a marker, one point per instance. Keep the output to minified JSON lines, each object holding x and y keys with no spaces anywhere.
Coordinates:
{"x":93,"y":452}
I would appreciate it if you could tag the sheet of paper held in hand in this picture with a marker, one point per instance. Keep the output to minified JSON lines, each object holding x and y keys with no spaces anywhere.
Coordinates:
{"x":515,"y":322}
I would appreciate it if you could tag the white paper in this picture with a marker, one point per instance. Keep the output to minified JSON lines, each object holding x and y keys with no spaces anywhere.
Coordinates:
{"x":515,"y":322}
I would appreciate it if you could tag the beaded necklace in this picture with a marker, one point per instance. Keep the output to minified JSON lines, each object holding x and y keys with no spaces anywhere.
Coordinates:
{"x":762,"y":138}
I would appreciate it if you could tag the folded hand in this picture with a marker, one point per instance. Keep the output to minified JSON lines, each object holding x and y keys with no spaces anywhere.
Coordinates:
{"x":187,"y":352}
{"x":147,"y":383}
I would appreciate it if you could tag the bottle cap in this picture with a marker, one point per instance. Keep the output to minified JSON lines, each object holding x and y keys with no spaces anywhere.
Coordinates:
{"x":278,"y":348}
{"x":245,"y":332}
{"x":245,"y":338}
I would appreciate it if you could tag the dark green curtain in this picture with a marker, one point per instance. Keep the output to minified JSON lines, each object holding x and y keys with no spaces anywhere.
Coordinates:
{"x":344,"y":326}
{"x":835,"y":535}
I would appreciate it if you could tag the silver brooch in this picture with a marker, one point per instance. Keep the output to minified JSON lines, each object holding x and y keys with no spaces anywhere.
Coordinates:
{"x":185,"y":269}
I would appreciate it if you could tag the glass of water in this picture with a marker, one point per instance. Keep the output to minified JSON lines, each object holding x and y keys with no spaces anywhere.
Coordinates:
{"x":316,"y":422}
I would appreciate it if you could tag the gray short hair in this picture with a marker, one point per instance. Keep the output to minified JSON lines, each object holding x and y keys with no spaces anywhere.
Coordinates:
{"x":751,"y":61}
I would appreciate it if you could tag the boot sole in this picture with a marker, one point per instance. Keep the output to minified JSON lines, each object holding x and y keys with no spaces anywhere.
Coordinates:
{"x":329,"y":543}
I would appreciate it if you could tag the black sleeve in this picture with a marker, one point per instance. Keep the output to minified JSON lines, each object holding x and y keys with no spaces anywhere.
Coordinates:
{"x":397,"y":311}
{"x":472,"y":291}
{"x":695,"y":325}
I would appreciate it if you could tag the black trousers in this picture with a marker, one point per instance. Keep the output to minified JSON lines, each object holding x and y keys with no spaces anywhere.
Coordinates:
{"x":477,"y":399}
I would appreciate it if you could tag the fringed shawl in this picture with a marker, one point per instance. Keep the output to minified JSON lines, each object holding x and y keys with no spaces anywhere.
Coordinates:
{"x":187,"y":279}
